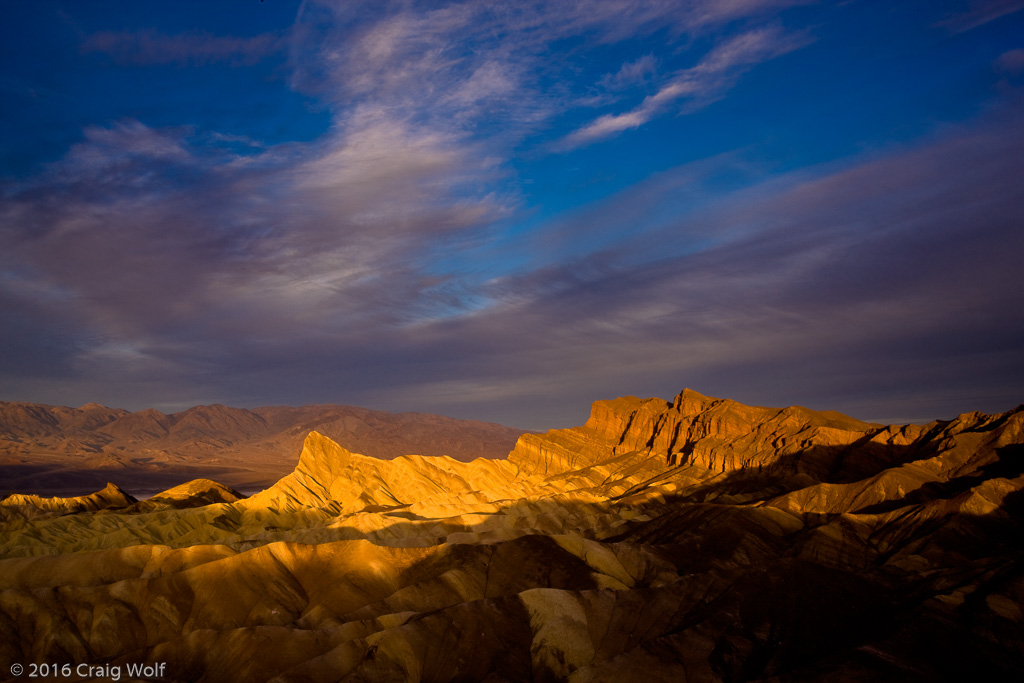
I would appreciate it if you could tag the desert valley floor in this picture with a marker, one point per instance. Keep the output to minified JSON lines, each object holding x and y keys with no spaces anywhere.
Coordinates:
{"x":693,"y":540}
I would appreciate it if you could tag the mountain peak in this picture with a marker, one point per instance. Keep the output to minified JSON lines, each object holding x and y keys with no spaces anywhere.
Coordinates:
{"x":322,"y":459}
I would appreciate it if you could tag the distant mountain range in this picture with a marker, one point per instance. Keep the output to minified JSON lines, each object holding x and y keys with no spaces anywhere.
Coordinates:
{"x":55,"y":449}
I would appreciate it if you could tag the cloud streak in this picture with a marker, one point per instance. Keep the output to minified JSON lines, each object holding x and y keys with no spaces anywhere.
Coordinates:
{"x":981,"y":12}
{"x":701,"y":84}
{"x":198,"y":48}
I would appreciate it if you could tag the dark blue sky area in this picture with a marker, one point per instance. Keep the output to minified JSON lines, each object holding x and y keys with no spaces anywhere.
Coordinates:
{"x":505,"y":211}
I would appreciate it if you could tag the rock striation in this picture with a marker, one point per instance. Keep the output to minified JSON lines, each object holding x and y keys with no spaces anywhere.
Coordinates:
{"x":697,"y":539}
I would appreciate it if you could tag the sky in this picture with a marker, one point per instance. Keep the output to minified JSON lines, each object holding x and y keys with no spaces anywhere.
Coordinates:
{"x":505,"y":211}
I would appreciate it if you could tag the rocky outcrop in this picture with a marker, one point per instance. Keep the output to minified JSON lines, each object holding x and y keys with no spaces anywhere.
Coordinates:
{"x":818,"y":453}
{"x":192,"y":494}
{"x":111,"y":496}
{"x":716,"y":434}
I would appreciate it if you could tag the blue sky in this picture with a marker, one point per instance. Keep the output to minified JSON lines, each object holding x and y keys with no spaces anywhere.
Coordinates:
{"x":505,"y":211}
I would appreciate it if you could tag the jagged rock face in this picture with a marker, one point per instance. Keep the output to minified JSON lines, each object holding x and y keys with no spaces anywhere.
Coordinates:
{"x":719,"y":435}
{"x":694,"y":540}
{"x":800,"y":447}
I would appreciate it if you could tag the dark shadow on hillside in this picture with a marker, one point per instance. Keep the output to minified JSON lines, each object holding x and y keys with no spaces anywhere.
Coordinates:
{"x":817,"y":464}
{"x":842,"y":465}
{"x":1008,"y":465}
{"x":54,"y":481}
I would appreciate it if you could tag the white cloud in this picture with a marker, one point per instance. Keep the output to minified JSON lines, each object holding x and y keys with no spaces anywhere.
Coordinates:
{"x":631,"y":73}
{"x":106,"y":149}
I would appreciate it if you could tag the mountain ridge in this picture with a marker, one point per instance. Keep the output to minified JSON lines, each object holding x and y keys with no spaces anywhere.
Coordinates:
{"x":693,"y":539}
{"x":60,"y":449}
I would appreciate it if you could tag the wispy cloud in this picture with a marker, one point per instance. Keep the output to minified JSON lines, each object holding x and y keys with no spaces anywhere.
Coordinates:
{"x":635,"y":72}
{"x":457,"y":67}
{"x":1011,"y":61}
{"x":701,"y":84}
{"x":147,"y":48}
{"x":980,"y":13}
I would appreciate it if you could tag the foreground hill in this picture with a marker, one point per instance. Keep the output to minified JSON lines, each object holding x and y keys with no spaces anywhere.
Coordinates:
{"x":58,"y":449}
{"x":695,"y":540}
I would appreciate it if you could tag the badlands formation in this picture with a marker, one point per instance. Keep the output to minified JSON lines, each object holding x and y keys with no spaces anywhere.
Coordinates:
{"x":697,"y":540}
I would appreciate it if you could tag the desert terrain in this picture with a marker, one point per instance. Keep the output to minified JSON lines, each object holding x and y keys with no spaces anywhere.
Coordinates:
{"x":57,"y":450}
{"x":693,"y":540}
